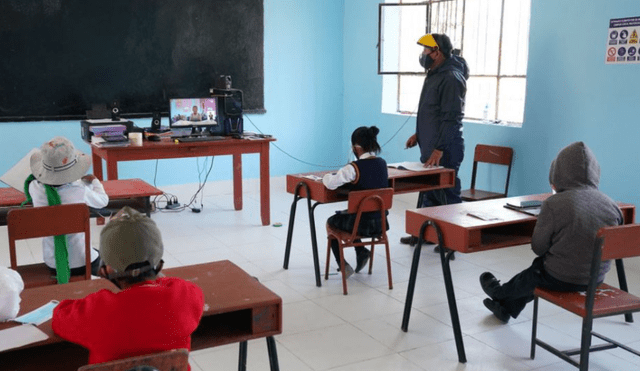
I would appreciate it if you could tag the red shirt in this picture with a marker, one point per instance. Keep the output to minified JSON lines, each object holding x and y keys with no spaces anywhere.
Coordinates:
{"x":150,"y":317}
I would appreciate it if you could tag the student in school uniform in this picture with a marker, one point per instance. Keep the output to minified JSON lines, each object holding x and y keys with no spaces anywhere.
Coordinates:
{"x":59,"y":176}
{"x":368,"y":172}
{"x":150,"y":314}
{"x":564,"y":235}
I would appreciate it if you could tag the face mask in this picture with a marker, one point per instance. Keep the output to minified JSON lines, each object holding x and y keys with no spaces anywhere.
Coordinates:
{"x":425,"y":60}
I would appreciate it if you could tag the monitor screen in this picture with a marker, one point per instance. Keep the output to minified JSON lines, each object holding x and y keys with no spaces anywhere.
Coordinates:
{"x":190,"y":112}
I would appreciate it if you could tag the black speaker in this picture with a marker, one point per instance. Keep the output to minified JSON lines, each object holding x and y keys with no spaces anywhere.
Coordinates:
{"x":155,"y":122}
{"x":115,"y":110}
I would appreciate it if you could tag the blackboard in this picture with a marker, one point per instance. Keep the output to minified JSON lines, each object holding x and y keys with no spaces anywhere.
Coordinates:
{"x":59,"y":57}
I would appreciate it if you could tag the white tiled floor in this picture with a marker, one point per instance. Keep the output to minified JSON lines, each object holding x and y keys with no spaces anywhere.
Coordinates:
{"x":325,"y":330}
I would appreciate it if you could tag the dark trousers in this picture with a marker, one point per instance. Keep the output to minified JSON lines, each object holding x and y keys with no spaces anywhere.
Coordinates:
{"x":452,"y":157}
{"x":369,"y":226}
{"x":515,"y":294}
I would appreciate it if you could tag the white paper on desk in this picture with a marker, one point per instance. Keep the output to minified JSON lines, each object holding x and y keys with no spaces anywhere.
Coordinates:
{"x":16,"y":176}
{"x":39,"y":315}
{"x":313,"y":177}
{"x":18,"y":336}
{"x":412,"y":166}
{"x":483,"y":216}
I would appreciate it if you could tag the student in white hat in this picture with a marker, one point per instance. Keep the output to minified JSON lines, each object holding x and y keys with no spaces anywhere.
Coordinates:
{"x":59,"y":177}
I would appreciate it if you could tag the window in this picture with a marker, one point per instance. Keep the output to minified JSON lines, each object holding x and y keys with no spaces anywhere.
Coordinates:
{"x":493,"y":37}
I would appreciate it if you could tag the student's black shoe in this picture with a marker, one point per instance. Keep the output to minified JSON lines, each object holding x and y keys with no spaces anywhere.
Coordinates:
{"x":348,"y":271}
{"x":497,"y":309}
{"x":409,"y":240}
{"x":362,"y":260}
{"x":437,"y":250}
{"x":489,"y":284}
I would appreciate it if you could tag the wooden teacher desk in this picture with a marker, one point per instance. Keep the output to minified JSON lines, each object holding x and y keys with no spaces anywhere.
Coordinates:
{"x":167,"y":148}
{"x":135,"y":193}
{"x":467,"y":234}
{"x":309,"y":186}
{"x":237,"y":308}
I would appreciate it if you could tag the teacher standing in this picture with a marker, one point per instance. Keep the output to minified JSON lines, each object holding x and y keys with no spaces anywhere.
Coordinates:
{"x":440,"y":112}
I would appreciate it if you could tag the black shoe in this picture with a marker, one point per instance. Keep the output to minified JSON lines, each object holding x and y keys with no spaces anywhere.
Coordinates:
{"x":409,"y":240}
{"x":362,"y":260}
{"x":437,"y":250}
{"x":497,"y":309}
{"x":489,"y":284}
{"x":348,"y":271}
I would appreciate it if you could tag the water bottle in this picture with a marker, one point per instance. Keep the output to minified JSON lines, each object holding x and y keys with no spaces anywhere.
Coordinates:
{"x":485,"y":114}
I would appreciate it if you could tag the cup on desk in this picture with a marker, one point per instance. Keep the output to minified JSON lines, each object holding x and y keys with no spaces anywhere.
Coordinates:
{"x":135,"y":138}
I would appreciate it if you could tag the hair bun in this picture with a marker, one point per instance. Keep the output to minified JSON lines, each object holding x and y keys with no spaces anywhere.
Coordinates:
{"x":373,"y":131}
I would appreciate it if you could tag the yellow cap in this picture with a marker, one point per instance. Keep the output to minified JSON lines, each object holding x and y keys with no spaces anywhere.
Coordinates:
{"x":428,"y":41}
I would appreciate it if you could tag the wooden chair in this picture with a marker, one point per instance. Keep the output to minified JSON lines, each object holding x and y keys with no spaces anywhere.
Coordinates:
{"x":359,"y":202}
{"x":603,"y":301}
{"x":491,"y":155}
{"x":170,"y":360}
{"x":35,"y":222}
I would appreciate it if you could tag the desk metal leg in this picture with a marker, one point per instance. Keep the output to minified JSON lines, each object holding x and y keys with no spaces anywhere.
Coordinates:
{"x":242,"y":356}
{"x":312,"y":226}
{"x":412,"y":284}
{"x":273,"y":354}
{"x":448,"y":282}
{"x":453,"y":307}
{"x":622,"y":280}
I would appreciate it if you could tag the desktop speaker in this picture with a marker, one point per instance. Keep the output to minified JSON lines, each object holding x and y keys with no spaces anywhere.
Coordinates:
{"x":115,"y":110}
{"x":155,"y":122}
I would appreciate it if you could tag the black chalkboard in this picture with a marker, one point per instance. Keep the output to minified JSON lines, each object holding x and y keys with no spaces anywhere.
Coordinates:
{"x":58,"y":57}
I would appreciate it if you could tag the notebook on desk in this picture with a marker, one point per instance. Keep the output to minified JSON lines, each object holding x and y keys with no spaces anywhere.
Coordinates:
{"x":527,"y":210}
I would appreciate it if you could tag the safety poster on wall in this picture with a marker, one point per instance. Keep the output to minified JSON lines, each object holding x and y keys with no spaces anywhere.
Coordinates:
{"x":622,"y":41}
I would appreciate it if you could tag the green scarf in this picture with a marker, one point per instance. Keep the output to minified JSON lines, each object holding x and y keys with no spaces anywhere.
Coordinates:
{"x":63,"y":272}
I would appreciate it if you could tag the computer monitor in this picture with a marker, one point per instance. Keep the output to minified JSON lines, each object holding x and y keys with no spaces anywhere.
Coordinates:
{"x":193,"y":113}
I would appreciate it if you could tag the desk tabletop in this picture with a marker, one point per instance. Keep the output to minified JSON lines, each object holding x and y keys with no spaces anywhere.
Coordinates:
{"x":402,"y":181}
{"x":115,"y":189}
{"x":465,"y":233}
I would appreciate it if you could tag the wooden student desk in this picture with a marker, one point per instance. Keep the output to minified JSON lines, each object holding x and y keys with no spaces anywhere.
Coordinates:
{"x":402,"y":181}
{"x":167,"y":148}
{"x":135,"y":193}
{"x":467,"y":234}
{"x":237,"y":308}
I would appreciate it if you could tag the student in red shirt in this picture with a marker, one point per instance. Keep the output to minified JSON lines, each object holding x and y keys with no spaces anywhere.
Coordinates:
{"x":150,"y":314}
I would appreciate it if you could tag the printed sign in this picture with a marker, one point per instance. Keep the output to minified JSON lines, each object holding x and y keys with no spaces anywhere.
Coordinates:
{"x":622,"y":41}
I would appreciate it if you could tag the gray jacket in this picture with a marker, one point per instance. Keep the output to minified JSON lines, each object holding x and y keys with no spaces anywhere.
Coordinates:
{"x":569,"y":220}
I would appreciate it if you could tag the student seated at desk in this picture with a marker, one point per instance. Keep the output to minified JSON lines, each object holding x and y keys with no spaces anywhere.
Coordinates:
{"x":367,"y":172}
{"x":149,"y":315}
{"x":58,"y":177}
{"x":564,"y":235}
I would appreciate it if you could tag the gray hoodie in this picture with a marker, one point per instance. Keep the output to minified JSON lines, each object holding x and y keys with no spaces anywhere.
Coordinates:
{"x":569,"y":220}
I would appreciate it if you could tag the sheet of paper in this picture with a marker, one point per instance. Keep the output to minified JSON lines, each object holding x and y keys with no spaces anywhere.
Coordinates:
{"x":483,"y":216}
{"x":18,"y":336}
{"x":39,"y":315}
{"x":16,"y":176}
{"x":313,"y":177}
{"x":412,"y":166}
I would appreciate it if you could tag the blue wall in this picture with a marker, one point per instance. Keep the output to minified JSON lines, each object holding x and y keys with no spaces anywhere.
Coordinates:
{"x":321,"y":83}
{"x":571,"y":95}
{"x":303,"y":97}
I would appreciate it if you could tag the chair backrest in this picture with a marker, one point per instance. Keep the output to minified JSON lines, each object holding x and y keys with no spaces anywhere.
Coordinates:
{"x":379,"y":199}
{"x":34,"y":222}
{"x":618,"y":242}
{"x":492,"y":155}
{"x":171,"y":360}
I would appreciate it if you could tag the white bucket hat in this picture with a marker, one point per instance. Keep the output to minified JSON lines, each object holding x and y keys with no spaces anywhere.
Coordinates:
{"x":58,"y":162}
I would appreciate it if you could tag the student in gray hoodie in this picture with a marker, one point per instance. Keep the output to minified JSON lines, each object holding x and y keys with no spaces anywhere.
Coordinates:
{"x":564,"y":235}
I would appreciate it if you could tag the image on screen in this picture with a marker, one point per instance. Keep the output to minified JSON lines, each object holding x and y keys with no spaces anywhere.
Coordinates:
{"x":189,"y":112}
